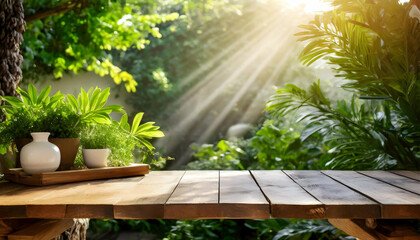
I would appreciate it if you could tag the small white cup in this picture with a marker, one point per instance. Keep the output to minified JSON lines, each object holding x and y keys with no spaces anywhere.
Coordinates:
{"x":96,"y":158}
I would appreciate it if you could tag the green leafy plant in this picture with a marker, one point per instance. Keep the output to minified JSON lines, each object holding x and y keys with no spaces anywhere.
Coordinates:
{"x":375,"y":49}
{"x":58,"y":114}
{"x":122,"y":139}
{"x":66,"y":116}
{"x":358,"y":135}
{"x":276,"y":144}
{"x":80,"y":36}
{"x":91,"y":106}
{"x":309,"y":229}
{"x":374,"y":46}
{"x":141,"y":132}
{"x":111,"y":136}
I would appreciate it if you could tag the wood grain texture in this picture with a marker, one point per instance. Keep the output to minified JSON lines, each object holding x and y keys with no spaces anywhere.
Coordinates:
{"x":395,"y":202}
{"x":394,"y":179}
{"x":6,"y":187}
{"x":94,"y":199}
{"x":410,"y":174}
{"x":224,"y":194}
{"x":339,"y":200}
{"x":14,"y":204}
{"x":42,"y":230}
{"x":58,"y":177}
{"x":6,"y":211}
{"x":287,"y":199}
{"x":241,"y":197}
{"x":196,"y":196}
{"x":355,"y":228}
{"x":146,"y":199}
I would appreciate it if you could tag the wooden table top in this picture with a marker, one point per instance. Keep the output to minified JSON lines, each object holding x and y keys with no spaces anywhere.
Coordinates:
{"x":223,"y":194}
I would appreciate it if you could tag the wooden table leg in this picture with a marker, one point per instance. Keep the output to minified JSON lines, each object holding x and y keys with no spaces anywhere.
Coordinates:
{"x":13,"y":229}
{"x":355,"y":228}
{"x":383,"y":229}
{"x":43,"y":230}
{"x":8,"y":226}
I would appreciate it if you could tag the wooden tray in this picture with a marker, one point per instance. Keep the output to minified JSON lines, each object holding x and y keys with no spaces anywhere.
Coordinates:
{"x":17,"y":175}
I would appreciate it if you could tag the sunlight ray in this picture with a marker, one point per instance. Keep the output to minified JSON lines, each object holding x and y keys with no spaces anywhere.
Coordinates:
{"x":209,"y":64}
{"x":223,"y":95}
{"x":242,"y":91}
{"x":209,"y":78}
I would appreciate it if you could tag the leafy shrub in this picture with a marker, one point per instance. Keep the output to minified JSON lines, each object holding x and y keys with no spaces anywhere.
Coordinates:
{"x":276,"y":145}
{"x":358,"y":135}
{"x":310,"y":229}
{"x":369,"y":135}
{"x":100,"y":228}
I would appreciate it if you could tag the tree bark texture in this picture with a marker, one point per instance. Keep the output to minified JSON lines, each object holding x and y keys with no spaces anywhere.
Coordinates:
{"x":12,"y":26}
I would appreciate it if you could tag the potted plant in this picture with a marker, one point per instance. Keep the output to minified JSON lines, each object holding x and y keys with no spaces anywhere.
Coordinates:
{"x":68,"y":117}
{"x":120,"y":138}
{"x":96,"y":142}
{"x":63,"y":116}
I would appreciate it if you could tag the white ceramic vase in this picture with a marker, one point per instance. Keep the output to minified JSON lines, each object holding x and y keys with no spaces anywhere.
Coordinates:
{"x":96,"y":158}
{"x":40,"y":155}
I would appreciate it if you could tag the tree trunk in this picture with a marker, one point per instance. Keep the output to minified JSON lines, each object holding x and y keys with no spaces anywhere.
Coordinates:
{"x":12,"y":26}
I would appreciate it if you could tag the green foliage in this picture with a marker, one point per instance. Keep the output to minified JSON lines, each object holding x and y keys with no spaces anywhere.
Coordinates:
{"x":98,"y":227}
{"x":375,"y":46}
{"x":360,"y":38}
{"x":187,"y":43}
{"x":141,"y":132}
{"x":279,"y":229}
{"x":358,"y":135}
{"x":309,"y":229}
{"x":276,"y":145}
{"x":204,"y":229}
{"x":68,"y":116}
{"x":81,"y":38}
{"x":279,"y":145}
{"x":111,"y":136}
{"x":122,"y":140}
{"x":37,"y":113}
{"x":91,"y":106}
{"x":224,"y":155}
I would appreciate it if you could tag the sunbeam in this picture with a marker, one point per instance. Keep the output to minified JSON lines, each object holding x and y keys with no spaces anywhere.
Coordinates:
{"x":225,"y":95}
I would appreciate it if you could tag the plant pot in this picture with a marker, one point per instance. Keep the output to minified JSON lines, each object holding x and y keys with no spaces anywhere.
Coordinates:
{"x":96,"y":158}
{"x":39,"y":155}
{"x":68,"y":150}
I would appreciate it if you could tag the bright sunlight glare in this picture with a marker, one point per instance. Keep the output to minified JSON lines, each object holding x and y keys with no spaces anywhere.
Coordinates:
{"x":309,"y":5}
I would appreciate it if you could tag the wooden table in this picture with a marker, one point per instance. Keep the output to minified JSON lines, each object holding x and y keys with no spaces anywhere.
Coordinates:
{"x":343,"y":197}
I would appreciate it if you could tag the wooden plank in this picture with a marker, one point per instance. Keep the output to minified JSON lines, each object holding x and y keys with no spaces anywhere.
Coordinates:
{"x":397,"y":229}
{"x":42,"y":230}
{"x":94,"y":199}
{"x":146,"y":199}
{"x":394,"y":179}
{"x":8,"y":226}
{"x":287,"y":199}
{"x":6,"y":187}
{"x":410,"y":174}
{"x":339,"y":200}
{"x":59,"y":177}
{"x":395,"y":202}
{"x":355,"y":228}
{"x":241,"y":197}
{"x":14,"y":204}
{"x":196,"y":196}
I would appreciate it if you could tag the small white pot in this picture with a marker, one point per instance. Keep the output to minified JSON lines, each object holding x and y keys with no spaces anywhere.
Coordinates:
{"x":96,"y":158}
{"x":40,"y":155}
